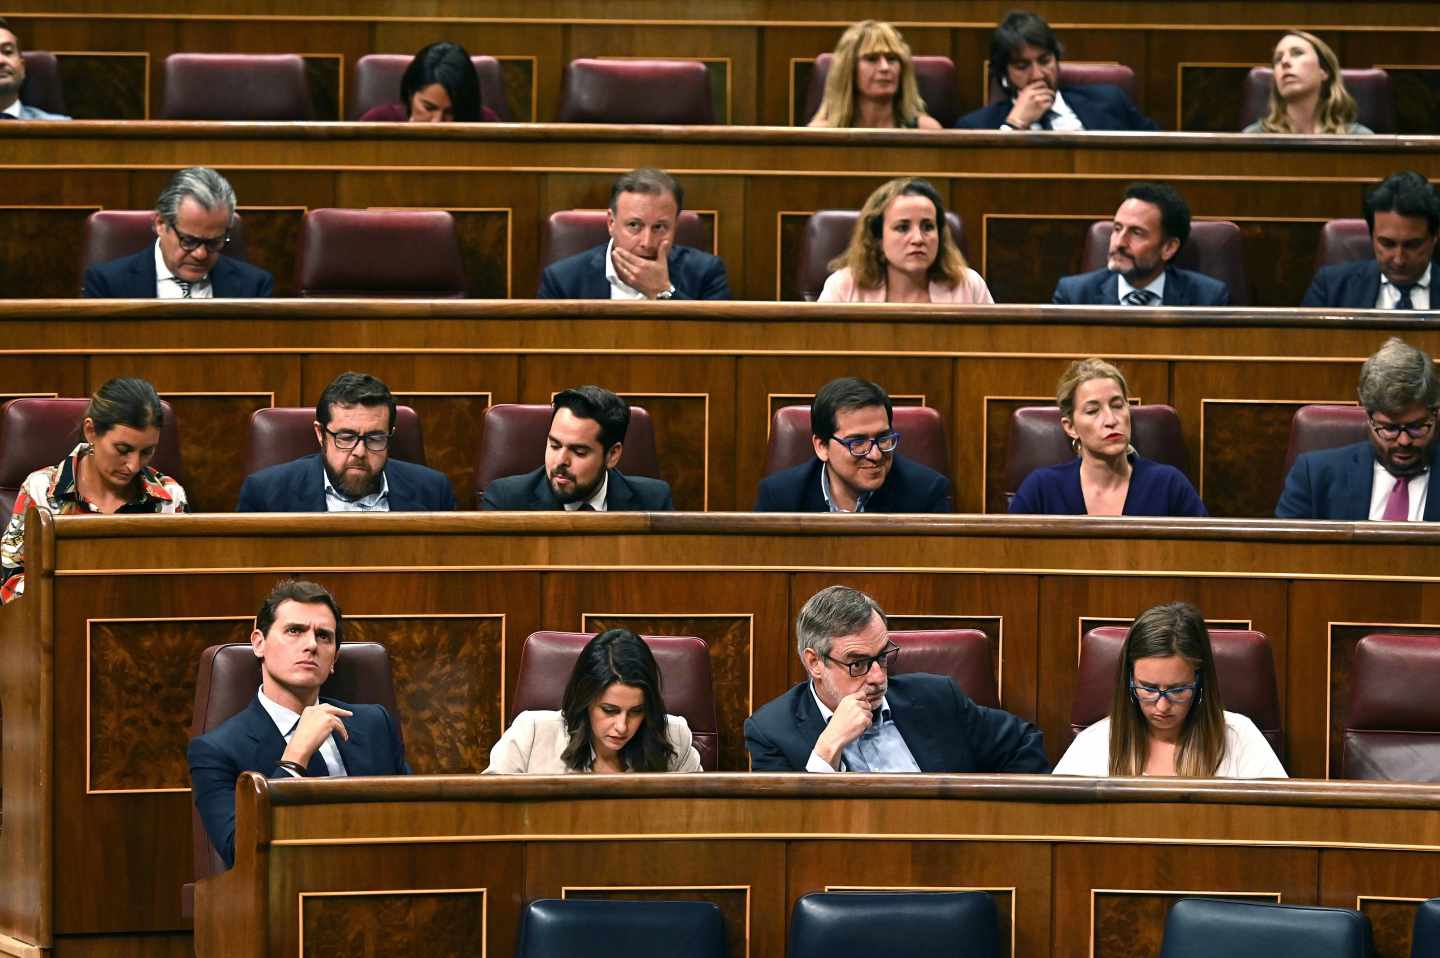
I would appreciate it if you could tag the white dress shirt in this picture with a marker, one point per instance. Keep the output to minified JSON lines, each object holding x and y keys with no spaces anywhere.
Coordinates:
{"x":1156,"y":286}
{"x":1384,"y":483}
{"x":13,"y":109}
{"x":375,"y":502}
{"x":285,"y":720}
{"x":597,"y":498}
{"x":1063,"y":118}
{"x":1247,"y":752}
{"x":1390,"y":293}
{"x":880,"y":748}
{"x":619,"y":289}
{"x":167,"y":288}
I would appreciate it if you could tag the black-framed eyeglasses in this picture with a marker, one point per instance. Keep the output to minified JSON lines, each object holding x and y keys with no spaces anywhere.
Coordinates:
{"x":1177,"y":694}
{"x":859,"y":667}
{"x":1415,"y":430}
{"x":347,"y":439}
{"x":859,"y":446}
{"x":191,"y":243}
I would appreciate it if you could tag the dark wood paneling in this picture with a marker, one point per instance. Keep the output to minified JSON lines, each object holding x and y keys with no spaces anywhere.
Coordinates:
{"x":27,"y":250}
{"x":1386,"y":888}
{"x":214,"y":470}
{"x":1210,"y":97}
{"x":1026,"y":256}
{"x":106,"y":86}
{"x":446,"y":925}
{"x":1243,"y":452}
{"x":452,"y":426}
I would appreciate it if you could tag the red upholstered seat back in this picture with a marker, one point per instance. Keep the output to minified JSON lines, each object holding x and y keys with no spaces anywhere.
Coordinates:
{"x":962,"y":654}
{"x":548,"y":658}
{"x":1324,"y":427}
{"x":1037,"y":440}
{"x":636,"y":91}
{"x":1215,"y":248}
{"x":568,"y":232}
{"x":377,"y":82}
{"x":827,"y":233}
{"x":922,"y":438}
{"x":935,"y":76}
{"x":111,"y":234}
{"x":1392,"y":721}
{"x":236,"y":86}
{"x":1343,"y":241}
{"x":1084,"y":73}
{"x":284,"y":433}
{"x":380,"y":253}
{"x":43,"y":88}
{"x":1369,"y":87}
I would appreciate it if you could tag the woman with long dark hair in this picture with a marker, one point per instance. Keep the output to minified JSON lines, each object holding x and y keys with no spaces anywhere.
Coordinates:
{"x":439,"y":86}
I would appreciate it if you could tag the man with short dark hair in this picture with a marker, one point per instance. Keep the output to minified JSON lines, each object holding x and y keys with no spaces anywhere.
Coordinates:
{"x":1403,"y":213}
{"x":1150,"y":227}
{"x":353,"y":471}
{"x":583,"y":447}
{"x":856,"y":467}
{"x":641,"y":260}
{"x":12,"y":80}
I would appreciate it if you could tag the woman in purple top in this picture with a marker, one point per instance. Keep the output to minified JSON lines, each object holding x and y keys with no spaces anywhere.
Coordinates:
{"x":1107,"y":477}
{"x":439,"y":86}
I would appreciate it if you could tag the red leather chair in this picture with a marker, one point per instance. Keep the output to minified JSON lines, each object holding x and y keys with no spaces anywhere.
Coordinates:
{"x":827,"y":233}
{"x":1343,"y":241}
{"x":1038,"y":440}
{"x":111,"y":234}
{"x":922,"y":438}
{"x":1244,"y":664}
{"x":388,"y":254}
{"x":1084,"y":73}
{"x":43,"y":88}
{"x":636,"y":91}
{"x":226,"y":682}
{"x":547,"y":659}
{"x":236,"y":86}
{"x":377,"y":82}
{"x":568,"y":232}
{"x":1324,"y":427}
{"x":1392,"y":722}
{"x":935,"y":76}
{"x":512,"y":442}
{"x":284,"y":433}
{"x":962,"y":654}
{"x":39,"y":432}
{"x":1370,"y":88}
{"x":1215,"y":248}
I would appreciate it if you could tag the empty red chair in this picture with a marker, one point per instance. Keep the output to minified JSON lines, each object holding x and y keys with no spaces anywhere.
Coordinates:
{"x":636,"y":91}
{"x":111,"y":234}
{"x":1370,"y":88}
{"x":391,"y":254}
{"x":1037,"y":440}
{"x":568,"y":232}
{"x":43,"y":88}
{"x":1215,"y":248}
{"x":285,"y":433}
{"x":236,"y":86}
{"x":1392,"y":722}
{"x":963,"y":654}
{"x":1343,"y":241}
{"x":827,"y":233}
{"x":1083,"y":73}
{"x":1324,"y":427}
{"x":935,"y":76}
{"x":377,"y":82}
{"x":922,"y":438}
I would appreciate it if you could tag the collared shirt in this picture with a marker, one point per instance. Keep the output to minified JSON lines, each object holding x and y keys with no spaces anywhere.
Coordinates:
{"x":13,"y":109}
{"x":830,"y":505}
{"x":55,"y":488}
{"x":1390,"y":293}
{"x":286,"y":719}
{"x":619,"y":289}
{"x":880,"y":748}
{"x":1156,"y":286}
{"x":167,"y":286}
{"x":335,"y":501}
{"x":597,"y":498}
{"x":1062,"y":118}
{"x":1384,"y":483}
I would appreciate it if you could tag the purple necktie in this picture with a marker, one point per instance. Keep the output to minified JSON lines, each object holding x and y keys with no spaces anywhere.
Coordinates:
{"x":1397,"y":507}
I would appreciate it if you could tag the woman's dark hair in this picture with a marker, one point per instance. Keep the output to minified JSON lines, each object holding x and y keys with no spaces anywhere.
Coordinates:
{"x":449,"y":65}
{"x":125,"y":402}
{"x":616,"y":655}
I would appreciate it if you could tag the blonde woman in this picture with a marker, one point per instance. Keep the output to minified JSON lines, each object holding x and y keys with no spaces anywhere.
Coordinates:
{"x":1309,"y":94}
{"x":872,"y":83}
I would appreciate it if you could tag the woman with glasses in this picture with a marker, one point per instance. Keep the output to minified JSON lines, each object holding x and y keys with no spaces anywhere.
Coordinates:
{"x":872,"y":83}
{"x":439,"y":86}
{"x":612,"y":718}
{"x":1107,"y":477}
{"x":1167,"y":717}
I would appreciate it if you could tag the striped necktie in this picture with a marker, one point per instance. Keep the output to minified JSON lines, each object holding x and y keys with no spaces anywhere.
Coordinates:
{"x":184,"y":288}
{"x":1140,"y":297}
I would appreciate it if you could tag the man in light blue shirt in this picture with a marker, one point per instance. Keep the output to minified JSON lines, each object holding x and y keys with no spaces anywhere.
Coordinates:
{"x":12,"y":78}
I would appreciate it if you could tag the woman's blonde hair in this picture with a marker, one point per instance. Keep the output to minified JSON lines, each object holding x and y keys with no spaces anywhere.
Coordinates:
{"x":1080,"y":372}
{"x":865,"y":256}
{"x":837,"y":109}
{"x":1336,"y":110}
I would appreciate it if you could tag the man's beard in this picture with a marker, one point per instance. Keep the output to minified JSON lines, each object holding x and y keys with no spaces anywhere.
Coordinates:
{"x":577,"y":493}
{"x":354,"y":485}
{"x":1403,"y":470}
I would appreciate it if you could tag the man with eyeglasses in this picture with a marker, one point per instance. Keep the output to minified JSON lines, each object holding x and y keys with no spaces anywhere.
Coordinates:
{"x":352,"y":472}
{"x":1386,"y":475}
{"x":193,"y":220}
{"x":852,"y":715}
{"x":856,"y":467}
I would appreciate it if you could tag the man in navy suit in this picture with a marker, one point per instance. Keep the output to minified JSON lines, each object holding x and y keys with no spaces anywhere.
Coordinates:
{"x":851,"y":716}
{"x":856,"y":467}
{"x":1387,"y":475}
{"x":640,"y":261}
{"x":1150,"y":227}
{"x":352,"y":472}
{"x":1403,"y":213}
{"x":583,"y":447}
{"x":287,"y":730}
{"x":193,"y":219}
{"x":1025,"y":60}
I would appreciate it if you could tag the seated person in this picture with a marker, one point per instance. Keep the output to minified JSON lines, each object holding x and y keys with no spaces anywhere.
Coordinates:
{"x":439,"y":86}
{"x":1309,"y":94}
{"x":902,"y":252}
{"x":1025,"y":60}
{"x":1403,"y":213}
{"x":1107,"y":477}
{"x":856,"y":467}
{"x":288,"y":731}
{"x":193,"y":218}
{"x":1387,"y":475}
{"x":586,"y":439}
{"x":852,"y":716}
{"x":107,"y":473}
{"x":640,"y":261}
{"x":352,"y":472}
{"x":872,"y":82}
{"x":612,"y":718}
{"x":1151,"y":225}
{"x":12,"y":78}
{"x":1167,"y":717}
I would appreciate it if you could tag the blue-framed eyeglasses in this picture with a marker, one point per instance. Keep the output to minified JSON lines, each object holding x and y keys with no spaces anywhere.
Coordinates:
{"x":859,"y":446}
{"x":1415,"y":430}
{"x":859,"y":667}
{"x":1177,"y":694}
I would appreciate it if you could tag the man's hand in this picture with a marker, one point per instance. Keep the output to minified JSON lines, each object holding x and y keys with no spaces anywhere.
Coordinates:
{"x":1032,"y":102}
{"x":316,"y":724}
{"x":852,"y":717}
{"x":651,"y":277}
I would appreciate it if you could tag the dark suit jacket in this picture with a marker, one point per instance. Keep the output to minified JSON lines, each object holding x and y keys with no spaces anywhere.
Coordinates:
{"x":299,"y":486}
{"x":693,"y":273}
{"x":1100,"y":106}
{"x":1355,"y":286}
{"x":532,"y":492}
{"x":1336,"y":484}
{"x":910,"y":487}
{"x":944,"y":730}
{"x":250,"y":742}
{"x":1183,"y":287}
{"x":133,"y":277}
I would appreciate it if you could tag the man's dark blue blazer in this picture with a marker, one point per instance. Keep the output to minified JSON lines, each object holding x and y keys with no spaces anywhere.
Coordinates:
{"x":1100,"y":106}
{"x":1183,"y":287}
{"x":133,"y":277}
{"x":694,"y":274}
{"x":1355,"y":286}
{"x":623,"y":493}
{"x":910,"y":487}
{"x":1337,"y":483}
{"x":250,"y":742}
{"x":299,"y":486}
{"x":944,"y":730}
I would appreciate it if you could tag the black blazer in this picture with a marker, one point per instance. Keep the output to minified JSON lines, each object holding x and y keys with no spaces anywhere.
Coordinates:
{"x":1337,"y":483}
{"x":532,"y":492}
{"x":299,"y":486}
{"x":910,"y":487}
{"x":694,"y":274}
{"x":133,"y":277}
{"x":1355,"y":286}
{"x":944,"y":730}
{"x":1100,"y":106}
{"x":1183,"y":287}
{"x":250,"y":742}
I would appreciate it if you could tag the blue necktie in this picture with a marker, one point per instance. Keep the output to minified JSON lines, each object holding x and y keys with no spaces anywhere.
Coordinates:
{"x":1404,"y":301}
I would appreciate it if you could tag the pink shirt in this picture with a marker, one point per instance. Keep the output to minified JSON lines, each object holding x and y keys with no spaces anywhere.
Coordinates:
{"x":840,"y":288}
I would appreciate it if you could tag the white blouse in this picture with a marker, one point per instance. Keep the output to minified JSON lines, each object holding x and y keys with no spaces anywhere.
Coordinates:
{"x":1247,"y":752}
{"x":535,"y":743}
